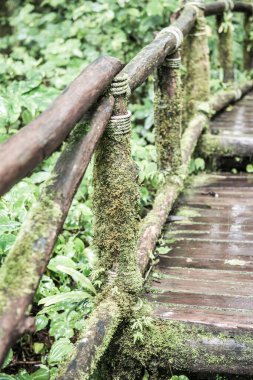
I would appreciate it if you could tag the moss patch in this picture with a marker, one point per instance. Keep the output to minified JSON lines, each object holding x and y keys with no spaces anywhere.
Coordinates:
{"x":196,"y":59}
{"x":116,"y":208}
{"x":170,"y":345}
{"x":168,"y":118}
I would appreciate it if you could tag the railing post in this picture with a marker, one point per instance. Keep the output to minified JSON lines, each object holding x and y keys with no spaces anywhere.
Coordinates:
{"x":168,"y":114}
{"x":225,"y":44}
{"x":248,"y":42}
{"x":116,"y":196}
{"x":196,"y":59}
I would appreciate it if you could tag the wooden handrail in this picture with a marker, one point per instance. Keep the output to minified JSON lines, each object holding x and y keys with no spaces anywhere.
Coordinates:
{"x":218,"y":7}
{"x":32,"y":144}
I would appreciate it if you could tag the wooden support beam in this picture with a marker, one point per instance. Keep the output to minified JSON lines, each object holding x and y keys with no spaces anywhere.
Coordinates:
{"x":174,"y":347}
{"x":26,"y":262}
{"x":248,"y":41}
{"x":94,"y":340}
{"x":225,"y":45}
{"x":33,"y":143}
{"x":196,"y":58}
{"x":218,"y":7}
{"x":168,"y":114}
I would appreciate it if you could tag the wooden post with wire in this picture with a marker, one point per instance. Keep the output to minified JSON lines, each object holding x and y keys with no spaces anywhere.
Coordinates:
{"x":168,"y":114}
{"x":116,"y":196}
{"x":197,"y":87}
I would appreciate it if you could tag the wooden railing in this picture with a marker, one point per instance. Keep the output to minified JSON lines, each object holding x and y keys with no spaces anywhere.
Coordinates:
{"x":95,"y":107}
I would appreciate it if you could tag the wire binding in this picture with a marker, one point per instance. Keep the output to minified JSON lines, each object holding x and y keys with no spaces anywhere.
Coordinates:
{"x":173,"y":63}
{"x":176,"y":32}
{"x":119,"y":124}
{"x":120,"y":85}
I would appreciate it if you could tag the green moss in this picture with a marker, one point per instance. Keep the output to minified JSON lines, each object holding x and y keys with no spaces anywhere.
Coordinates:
{"x":20,"y":272}
{"x":104,"y":321}
{"x":196,"y":60}
{"x":116,"y":208}
{"x":211,"y":145}
{"x":187,"y":212}
{"x":168,"y":345}
{"x":168,"y":118}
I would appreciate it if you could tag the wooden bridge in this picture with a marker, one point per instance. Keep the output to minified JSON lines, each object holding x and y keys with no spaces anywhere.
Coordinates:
{"x":191,"y":309}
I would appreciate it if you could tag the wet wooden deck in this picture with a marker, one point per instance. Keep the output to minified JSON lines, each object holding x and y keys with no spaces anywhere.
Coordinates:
{"x":231,"y":131}
{"x":236,"y":121}
{"x":207,"y":277}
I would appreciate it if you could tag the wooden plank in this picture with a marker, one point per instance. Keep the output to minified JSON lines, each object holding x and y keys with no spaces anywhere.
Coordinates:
{"x":218,"y":227}
{"x":202,"y":263}
{"x":234,"y":319}
{"x":192,"y":299}
{"x":235,"y":288}
{"x":211,"y":236}
{"x":208,"y":275}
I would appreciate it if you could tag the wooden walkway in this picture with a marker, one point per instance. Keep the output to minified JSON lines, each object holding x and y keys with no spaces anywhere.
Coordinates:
{"x":206,"y":277}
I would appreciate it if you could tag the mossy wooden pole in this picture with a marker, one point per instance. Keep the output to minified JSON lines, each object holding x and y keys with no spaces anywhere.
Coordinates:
{"x":196,"y":81}
{"x":168,"y":114}
{"x":116,"y":196}
{"x":248,"y":42}
{"x":225,"y":44}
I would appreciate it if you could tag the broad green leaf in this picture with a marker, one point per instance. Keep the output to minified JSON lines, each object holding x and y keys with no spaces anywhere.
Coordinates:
{"x":60,"y":350}
{"x":74,"y":296}
{"x":249,"y":168}
{"x":199,"y":163}
{"x":38,"y":347}
{"x":163,"y":250}
{"x":78,"y":277}
{"x":8,"y":359}
{"x":41,"y":374}
{"x":154,"y":8}
{"x":61,"y":260}
{"x":4,"y":115}
{"x":4,"y":376}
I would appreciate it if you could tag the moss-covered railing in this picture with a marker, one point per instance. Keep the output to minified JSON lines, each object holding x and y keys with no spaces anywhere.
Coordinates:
{"x":95,"y":107}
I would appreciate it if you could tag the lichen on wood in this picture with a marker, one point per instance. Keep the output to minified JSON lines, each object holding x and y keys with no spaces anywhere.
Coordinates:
{"x":168,"y":114}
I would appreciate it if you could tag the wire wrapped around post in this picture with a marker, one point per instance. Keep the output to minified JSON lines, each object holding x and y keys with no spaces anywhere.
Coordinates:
{"x":116,"y":197}
{"x":168,"y":114}
{"x":196,"y":62}
{"x":225,"y":44}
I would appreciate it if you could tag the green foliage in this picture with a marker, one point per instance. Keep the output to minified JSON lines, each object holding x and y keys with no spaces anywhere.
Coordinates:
{"x":197,"y":165}
{"x":138,"y":325}
{"x":249,"y":168}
